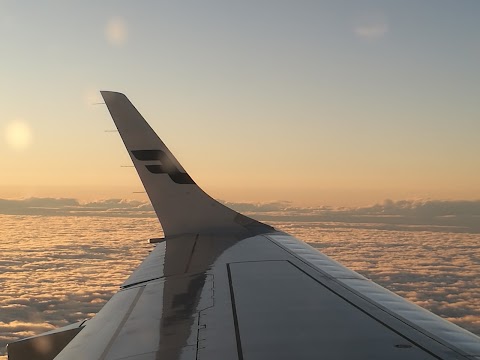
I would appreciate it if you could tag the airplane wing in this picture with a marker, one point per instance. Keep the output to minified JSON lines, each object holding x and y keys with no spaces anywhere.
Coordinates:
{"x":221,"y":285}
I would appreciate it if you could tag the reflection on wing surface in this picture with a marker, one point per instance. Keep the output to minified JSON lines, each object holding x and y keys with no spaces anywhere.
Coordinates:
{"x":229,"y":297}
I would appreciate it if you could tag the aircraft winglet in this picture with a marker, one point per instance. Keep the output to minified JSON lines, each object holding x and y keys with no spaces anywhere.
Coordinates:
{"x":181,"y":206}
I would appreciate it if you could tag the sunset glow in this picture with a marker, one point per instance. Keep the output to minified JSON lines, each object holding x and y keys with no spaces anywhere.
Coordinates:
{"x":352,"y":125}
{"x":310,"y":102}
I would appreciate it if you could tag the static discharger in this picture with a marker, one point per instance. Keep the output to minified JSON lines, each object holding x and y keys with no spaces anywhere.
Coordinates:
{"x":156,"y":240}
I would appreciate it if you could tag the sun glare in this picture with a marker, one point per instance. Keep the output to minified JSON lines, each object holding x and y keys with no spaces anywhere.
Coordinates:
{"x":18,"y":135}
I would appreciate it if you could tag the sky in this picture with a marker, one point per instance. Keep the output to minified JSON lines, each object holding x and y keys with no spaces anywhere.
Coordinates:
{"x":340,"y":103}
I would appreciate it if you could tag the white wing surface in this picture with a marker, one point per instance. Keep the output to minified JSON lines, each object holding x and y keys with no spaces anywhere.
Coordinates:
{"x":223,"y":286}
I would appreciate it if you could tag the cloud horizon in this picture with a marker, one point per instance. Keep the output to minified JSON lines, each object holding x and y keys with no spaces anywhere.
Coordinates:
{"x":428,"y":215}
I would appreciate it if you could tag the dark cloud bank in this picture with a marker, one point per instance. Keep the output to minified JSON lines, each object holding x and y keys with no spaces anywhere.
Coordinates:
{"x":417,"y":215}
{"x":72,"y":207}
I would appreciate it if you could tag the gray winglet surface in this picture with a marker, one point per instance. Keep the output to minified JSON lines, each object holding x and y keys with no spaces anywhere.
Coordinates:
{"x":181,"y":206}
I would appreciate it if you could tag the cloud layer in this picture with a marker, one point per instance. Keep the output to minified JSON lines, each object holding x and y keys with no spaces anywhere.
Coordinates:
{"x":72,"y":207}
{"x":58,"y":270}
{"x":406,"y":215}
{"x":63,"y":266}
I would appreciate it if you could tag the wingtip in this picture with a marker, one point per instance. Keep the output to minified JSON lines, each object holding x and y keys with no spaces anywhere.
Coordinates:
{"x":106,"y":94}
{"x":111,"y":92}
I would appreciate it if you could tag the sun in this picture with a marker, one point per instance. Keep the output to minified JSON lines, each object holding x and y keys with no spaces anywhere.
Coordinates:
{"x":18,"y":135}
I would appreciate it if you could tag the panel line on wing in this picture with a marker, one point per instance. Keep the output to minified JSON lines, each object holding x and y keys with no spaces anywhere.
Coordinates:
{"x":187,"y":267}
{"x":122,"y":323}
{"x":142,"y":282}
{"x":235,"y":316}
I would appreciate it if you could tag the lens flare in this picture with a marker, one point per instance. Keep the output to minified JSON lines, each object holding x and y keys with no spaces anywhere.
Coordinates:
{"x":116,"y":31}
{"x":371,"y":26}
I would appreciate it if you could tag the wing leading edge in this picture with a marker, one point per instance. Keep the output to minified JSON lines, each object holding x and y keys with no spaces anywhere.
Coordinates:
{"x":223,"y":286}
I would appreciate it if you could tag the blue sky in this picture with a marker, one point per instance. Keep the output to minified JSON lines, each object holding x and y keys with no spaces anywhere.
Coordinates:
{"x":310,"y":101}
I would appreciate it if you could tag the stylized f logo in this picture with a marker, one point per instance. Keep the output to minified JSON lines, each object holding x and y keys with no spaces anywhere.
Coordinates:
{"x":166,"y":165}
